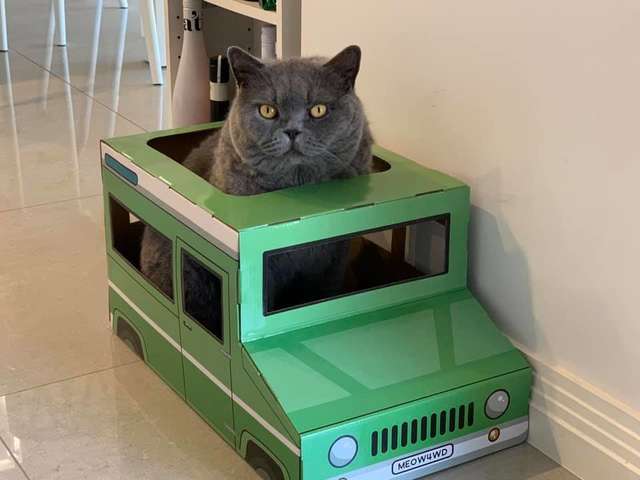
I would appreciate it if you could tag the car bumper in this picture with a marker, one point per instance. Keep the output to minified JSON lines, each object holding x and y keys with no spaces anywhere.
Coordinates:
{"x":439,"y":457}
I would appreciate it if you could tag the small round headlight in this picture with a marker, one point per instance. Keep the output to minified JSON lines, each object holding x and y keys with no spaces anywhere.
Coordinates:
{"x":343,"y":451}
{"x":497,"y":404}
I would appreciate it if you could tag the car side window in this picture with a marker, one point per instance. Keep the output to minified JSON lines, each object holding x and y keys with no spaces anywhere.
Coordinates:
{"x":126,"y":237}
{"x":202,"y":295}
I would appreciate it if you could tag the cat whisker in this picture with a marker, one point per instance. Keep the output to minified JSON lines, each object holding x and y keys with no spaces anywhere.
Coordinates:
{"x":313,"y":147}
{"x":272,"y":147}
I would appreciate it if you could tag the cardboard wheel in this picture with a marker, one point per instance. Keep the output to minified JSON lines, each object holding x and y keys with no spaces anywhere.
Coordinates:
{"x":265,"y":468}
{"x":130,"y":337}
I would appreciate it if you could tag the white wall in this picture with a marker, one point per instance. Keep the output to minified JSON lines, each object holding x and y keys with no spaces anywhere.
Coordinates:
{"x":537,"y":106}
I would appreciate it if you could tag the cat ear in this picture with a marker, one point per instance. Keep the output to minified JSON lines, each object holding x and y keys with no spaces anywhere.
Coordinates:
{"x":244,"y":65}
{"x":346,"y":65}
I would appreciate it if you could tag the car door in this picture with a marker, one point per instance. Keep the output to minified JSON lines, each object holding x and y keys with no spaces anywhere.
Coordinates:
{"x":204,"y":326}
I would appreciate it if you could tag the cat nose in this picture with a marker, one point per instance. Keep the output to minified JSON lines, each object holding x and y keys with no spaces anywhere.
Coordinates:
{"x":292,"y":133}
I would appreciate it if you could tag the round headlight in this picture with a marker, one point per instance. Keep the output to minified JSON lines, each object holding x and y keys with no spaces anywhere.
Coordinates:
{"x":343,"y":451}
{"x":497,"y":404}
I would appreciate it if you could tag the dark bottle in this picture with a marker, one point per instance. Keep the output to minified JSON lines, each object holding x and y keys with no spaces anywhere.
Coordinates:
{"x":268,"y":4}
{"x":219,"y":87}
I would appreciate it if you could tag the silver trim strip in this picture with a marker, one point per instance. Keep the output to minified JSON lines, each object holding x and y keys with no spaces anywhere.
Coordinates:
{"x":256,"y":416}
{"x":151,"y":323}
{"x":207,"y":373}
{"x":266,"y":425}
{"x":160,"y":191}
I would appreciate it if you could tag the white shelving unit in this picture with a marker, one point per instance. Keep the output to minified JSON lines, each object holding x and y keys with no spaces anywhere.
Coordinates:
{"x":248,"y":9}
{"x":235,"y":22}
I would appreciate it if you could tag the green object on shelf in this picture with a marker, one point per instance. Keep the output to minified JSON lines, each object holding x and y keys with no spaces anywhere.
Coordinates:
{"x":268,"y":4}
{"x":400,"y":374}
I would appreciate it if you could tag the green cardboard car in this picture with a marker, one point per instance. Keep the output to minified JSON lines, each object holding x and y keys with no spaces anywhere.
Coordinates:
{"x":397,"y":374}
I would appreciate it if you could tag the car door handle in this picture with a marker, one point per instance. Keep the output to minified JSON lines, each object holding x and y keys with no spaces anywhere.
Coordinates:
{"x":187,"y":326}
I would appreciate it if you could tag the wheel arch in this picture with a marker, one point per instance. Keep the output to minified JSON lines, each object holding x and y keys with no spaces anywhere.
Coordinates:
{"x":121,"y":324}
{"x":247,"y":440}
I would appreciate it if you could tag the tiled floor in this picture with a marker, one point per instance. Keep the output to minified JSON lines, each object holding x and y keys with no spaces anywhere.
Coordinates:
{"x":74,"y":402}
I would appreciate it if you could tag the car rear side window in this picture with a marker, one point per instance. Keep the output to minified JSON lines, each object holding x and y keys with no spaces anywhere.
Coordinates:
{"x":126,"y":237}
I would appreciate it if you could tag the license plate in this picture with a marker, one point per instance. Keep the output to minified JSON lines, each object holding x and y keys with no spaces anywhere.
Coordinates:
{"x":422,"y":459}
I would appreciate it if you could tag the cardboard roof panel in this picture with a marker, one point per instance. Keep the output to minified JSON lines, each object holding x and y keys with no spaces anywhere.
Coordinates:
{"x":404,"y":179}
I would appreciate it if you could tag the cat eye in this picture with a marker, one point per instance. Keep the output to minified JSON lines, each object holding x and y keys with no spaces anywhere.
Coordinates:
{"x":268,"y":111}
{"x":318,"y":111}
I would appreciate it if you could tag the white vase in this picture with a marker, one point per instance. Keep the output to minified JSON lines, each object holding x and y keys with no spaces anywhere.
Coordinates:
{"x":191,"y":91}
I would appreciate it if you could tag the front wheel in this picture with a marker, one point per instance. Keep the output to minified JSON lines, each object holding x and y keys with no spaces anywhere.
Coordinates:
{"x":265,"y":468}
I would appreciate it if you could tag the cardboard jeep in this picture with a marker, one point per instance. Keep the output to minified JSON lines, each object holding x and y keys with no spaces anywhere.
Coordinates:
{"x":397,"y":374}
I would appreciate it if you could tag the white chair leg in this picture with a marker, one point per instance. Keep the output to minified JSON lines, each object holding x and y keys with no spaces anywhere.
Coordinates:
{"x":140,"y":23}
{"x":148,"y":14}
{"x":4,"y":64}
{"x":61,"y":24}
{"x":117,"y":74}
{"x":91,"y":77}
{"x":48,"y":62}
{"x":124,"y":4}
{"x":4,"y":41}
{"x":160,"y":20}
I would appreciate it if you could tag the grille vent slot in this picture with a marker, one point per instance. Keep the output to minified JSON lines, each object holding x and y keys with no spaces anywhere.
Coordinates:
{"x":421,"y":429}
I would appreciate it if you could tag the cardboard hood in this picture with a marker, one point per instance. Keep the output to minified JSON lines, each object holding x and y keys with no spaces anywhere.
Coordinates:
{"x":331,"y":373}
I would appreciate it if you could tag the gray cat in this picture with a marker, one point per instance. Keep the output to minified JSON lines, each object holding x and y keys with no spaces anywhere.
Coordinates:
{"x":292,"y":122}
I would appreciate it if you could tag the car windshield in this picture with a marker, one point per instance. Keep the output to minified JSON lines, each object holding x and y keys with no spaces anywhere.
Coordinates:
{"x":362,"y":261}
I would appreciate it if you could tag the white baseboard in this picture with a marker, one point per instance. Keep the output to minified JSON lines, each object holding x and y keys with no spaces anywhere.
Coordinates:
{"x":585,"y":430}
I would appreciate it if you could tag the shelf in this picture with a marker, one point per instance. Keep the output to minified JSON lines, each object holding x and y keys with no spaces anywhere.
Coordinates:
{"x":248,"y":9}
{"x":236,"y":28}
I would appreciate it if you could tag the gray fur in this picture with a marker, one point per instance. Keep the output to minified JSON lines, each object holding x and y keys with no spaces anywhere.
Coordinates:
{"x":252,"y":155}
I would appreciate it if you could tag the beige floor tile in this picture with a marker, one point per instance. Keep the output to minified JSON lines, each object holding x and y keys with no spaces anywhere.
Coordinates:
{"x":9,"y":470}
{"x":50,"y":142}
{"x":519,"y":463}
{"x":53,"y":295}
{"x":110,"y":66}
{"x":118,"y":424}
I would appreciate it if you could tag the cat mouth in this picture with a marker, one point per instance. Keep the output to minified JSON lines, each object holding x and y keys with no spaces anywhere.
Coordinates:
{"x":294,"y":158}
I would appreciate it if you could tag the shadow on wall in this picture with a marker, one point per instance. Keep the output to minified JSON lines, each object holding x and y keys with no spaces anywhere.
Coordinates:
{"x":499,"y":276}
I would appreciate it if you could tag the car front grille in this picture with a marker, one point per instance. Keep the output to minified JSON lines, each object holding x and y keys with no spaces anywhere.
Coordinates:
{"x":422,"y":430}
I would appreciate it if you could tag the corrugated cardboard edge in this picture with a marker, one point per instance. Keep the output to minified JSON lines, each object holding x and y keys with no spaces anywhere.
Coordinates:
{"x":220,"y":234}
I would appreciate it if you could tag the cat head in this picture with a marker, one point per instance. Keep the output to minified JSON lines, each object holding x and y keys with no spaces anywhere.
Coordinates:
{"x":297,"y":117}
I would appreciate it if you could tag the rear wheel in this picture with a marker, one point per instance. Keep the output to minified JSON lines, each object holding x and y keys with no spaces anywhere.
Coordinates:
{"x":130,"y":337}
